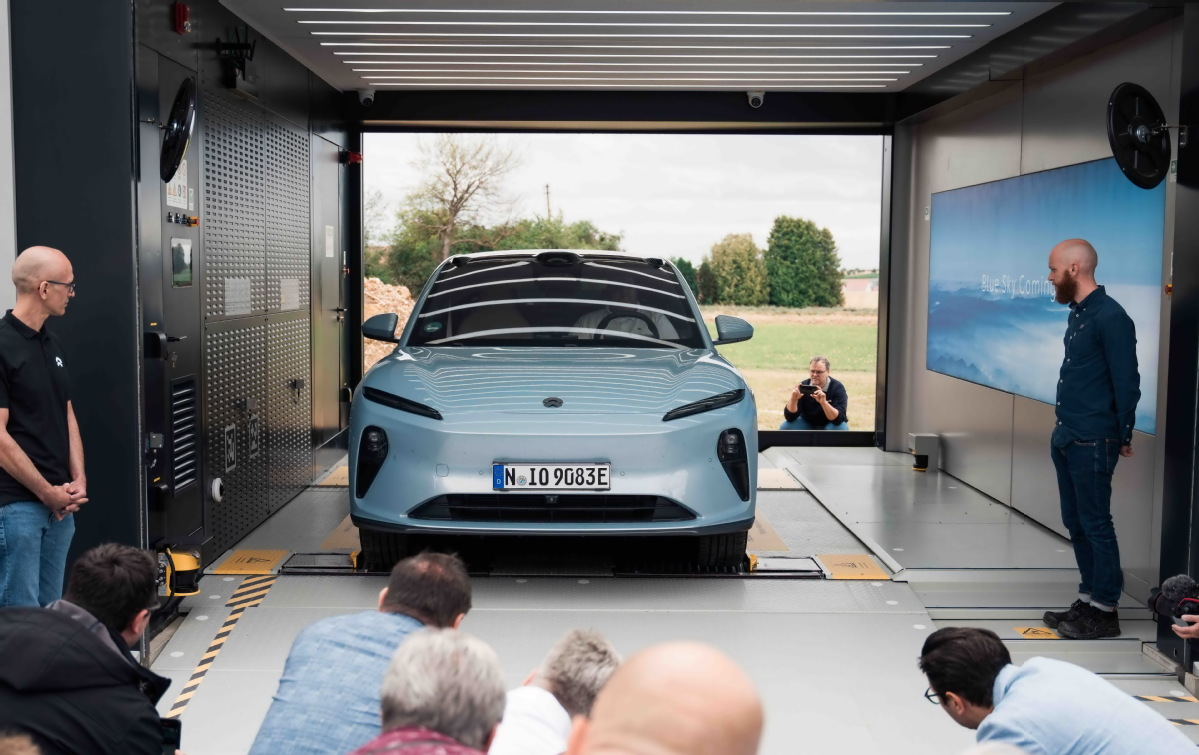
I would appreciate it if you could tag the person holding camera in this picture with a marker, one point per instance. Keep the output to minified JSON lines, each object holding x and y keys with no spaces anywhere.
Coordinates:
{"x":68,"y":679}
{"x":818,"y":403}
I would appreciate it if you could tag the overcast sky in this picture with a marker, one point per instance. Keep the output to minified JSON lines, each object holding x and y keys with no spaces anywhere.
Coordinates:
{"x":676,"y":195}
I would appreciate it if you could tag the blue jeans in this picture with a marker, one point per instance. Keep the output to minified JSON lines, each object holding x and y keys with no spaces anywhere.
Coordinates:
{"x":1084,"y":484}
{"x":33,"y":553}
{"x":799,"y":423}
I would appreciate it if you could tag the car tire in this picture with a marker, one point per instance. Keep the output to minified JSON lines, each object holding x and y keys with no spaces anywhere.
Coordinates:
{"x":721,"y":551}
{"x":381,"y":550}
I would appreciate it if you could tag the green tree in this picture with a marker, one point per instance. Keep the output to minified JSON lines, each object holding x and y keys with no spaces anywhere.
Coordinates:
{"x":739,"y":271}
{"x":706,"y":282}
{"x":802,"y":265}
{"x":376,"y":265}
{"x":553,"y":233}
{"x":687,"y":270}
{"x":413,"y":250}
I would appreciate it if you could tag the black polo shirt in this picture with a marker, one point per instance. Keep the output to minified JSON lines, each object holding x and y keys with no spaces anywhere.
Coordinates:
{"x":34,"y":389}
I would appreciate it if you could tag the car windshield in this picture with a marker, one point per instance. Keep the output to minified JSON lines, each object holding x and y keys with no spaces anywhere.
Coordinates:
{"x":557,"y":299}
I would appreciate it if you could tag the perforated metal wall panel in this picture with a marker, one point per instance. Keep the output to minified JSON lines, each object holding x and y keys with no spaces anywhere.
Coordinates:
{"x":235,"y":355}
{"x":288,"y":234}
{"x":289,"y":408}
{"x":235,"y":208}
{"x":257,"y":345}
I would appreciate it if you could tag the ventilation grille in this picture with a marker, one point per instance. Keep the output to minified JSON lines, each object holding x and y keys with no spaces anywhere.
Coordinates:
{"x":185,"y":451}
{"x":508,"y":507}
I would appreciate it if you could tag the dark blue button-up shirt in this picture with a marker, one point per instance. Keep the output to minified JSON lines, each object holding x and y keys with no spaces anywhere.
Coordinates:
{"x":1099,"y":385}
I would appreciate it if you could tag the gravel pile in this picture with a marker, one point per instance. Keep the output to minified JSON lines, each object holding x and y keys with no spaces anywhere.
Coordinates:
{"x":380,"y":297}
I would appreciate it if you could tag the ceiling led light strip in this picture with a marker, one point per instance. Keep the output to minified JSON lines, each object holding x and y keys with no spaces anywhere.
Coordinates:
{"x":862,"y":67}
{"x":525,"y":46}
{"x":626,"y":73}
{"x":626,"y":85}
{"x":564,"y":12}
{"x":374,"y":79}
{"x":628,"y":24}
{"x":473,"y":35}
{"x":904,"y":58}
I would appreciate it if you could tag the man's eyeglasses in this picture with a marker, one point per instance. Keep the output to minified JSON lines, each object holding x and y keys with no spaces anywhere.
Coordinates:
{"x":932,"y":697}
{"x":70,"y":286}
{"x":817,"y":372}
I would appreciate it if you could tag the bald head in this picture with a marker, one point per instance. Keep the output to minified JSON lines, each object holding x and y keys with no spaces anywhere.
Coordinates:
{"x":680,"y":698}
{"x":1076,"y":252}
{"x":37,"y":264}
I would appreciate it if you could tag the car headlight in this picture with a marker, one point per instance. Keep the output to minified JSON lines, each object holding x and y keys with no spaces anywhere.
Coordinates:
{"x":398,"y":402}
{"x":372,"y":452}
{"x":730,"y":449}
{"x":705,"y":404}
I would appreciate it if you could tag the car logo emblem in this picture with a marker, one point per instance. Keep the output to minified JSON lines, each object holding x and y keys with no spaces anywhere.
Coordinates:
{"x":552,"y":402}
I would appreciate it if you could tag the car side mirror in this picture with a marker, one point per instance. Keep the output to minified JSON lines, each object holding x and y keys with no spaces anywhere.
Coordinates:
{"x":382,"y":327}
{"x":732,"y":330}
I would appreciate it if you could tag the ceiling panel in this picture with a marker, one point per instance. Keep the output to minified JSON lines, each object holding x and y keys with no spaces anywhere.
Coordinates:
{"x":619,"y":45}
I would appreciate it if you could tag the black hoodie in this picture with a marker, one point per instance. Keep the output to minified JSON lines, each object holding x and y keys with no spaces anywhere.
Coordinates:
{"x":73,"y":692}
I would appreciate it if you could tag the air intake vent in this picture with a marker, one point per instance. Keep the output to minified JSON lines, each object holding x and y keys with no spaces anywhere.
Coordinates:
{"x":185,"y":452}
{"x":519,"y":507}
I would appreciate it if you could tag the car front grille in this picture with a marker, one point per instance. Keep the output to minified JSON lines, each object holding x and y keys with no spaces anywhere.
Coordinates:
{"x":552,"y":507}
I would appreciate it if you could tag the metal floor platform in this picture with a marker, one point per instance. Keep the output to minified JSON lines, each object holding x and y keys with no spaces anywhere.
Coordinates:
{"x":835,"y":661}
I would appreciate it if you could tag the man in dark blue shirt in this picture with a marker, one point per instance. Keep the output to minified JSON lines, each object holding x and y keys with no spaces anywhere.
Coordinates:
{"x":1097,"y":396}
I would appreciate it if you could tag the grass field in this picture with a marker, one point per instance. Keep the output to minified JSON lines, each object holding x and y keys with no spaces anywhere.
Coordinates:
{"x":776,"y":358}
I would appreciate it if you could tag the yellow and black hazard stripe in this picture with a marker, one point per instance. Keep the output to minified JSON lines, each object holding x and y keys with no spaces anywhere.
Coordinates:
{"x":249,"y":594}
{"x":1165,"y":699}
{"x":251,"y":591}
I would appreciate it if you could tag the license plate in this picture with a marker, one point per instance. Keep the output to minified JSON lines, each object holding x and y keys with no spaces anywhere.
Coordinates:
{"x":520,"y":476}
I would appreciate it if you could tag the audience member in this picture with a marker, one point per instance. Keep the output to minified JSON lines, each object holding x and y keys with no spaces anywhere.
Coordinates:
{"x":994,"y":748}
{"x":328,"y":696}
{"x":1046,"y":707}
{"x":17,"y":744}
{"x":1189,"y":632}
{"x":679,"y":698}
{"x":537,"y":716}
{"x":443,"y":695}
{"x":819,"y":407}
{"x":68,"y":679}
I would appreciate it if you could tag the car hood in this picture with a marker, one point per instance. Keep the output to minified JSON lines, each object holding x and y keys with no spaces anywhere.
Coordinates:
{"x":461,"y":380}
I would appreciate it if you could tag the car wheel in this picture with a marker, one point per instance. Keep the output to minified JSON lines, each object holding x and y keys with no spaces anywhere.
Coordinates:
{"x":381,"y":550}
{"x":726,"y":550}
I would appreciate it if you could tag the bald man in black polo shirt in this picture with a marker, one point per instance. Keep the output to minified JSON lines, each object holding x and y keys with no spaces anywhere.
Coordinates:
{"x":42,"y":482}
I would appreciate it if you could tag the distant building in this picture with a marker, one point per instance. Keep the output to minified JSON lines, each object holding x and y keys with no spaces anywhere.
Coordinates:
{"x":860,"y":293}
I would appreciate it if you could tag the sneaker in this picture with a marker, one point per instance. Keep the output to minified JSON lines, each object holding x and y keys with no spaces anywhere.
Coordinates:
{"x":1053,"y":618}
{"x":1091,"y":624}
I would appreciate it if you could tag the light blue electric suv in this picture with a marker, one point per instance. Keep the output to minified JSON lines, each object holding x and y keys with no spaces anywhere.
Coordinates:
{"x":554,"y":393}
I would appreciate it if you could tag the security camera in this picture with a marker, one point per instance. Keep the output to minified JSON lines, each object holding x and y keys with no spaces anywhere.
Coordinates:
{"x":756,"y":97}
{"x":367,"y":97}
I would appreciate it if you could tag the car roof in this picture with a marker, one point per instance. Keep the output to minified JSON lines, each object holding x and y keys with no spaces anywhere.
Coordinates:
{"x":461,"y":259}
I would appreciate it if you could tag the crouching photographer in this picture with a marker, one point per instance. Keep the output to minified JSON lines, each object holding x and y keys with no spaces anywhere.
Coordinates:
{"x":1178,"y":598}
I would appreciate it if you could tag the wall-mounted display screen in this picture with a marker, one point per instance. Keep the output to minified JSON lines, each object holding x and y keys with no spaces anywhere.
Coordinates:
{"x":992,"y":318}
{"x":181,"y":263}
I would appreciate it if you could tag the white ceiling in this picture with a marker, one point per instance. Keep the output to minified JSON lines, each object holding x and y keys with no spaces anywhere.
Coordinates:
{"x":621,"y":45}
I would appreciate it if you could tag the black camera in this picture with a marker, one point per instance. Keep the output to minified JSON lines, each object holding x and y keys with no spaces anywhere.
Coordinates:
{"x":1178,"y":596}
